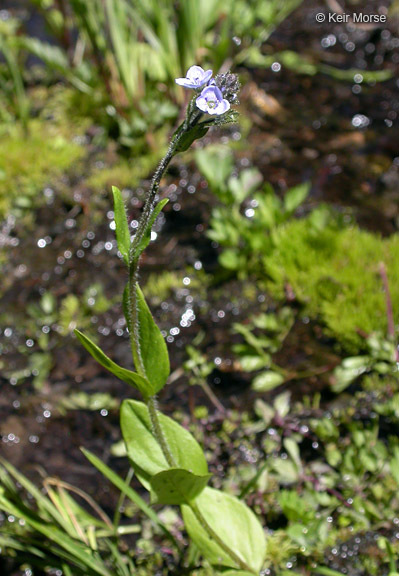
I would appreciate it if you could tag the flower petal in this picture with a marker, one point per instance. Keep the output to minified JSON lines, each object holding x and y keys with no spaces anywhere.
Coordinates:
{"x":202,"y":104}
{"x":185,"y":82}
{"x":222,"y":107}
{"x":212,"y":93}
{"x":194,"y":73}
{"x":207,"y":76}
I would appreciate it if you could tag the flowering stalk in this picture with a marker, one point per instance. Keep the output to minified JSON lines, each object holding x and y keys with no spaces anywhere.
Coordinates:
{"x":192,"y":117}
{"x":183,"y":474}
{"x":214,"y":99}
{"x":134,"y":258}
{"x":133,"y":269}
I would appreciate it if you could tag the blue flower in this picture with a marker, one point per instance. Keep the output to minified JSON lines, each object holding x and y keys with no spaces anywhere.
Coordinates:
{"x":211,"y":101}
{"x":196,"y":77}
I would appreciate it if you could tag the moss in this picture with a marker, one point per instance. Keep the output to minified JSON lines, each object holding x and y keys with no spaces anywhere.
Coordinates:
{"x":334,"y":272}
{"x":30,"y":162}
{"x":123,"y":174}
{"x":161,"y":286}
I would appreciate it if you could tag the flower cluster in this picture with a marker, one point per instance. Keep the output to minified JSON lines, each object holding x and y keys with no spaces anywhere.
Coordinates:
{"x":217,"y":94}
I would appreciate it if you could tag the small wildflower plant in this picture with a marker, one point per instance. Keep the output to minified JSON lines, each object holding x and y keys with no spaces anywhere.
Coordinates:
{"x":166,"y":458}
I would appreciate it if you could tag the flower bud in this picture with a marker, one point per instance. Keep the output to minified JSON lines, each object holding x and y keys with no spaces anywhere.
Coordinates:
{"x":229,"y":85}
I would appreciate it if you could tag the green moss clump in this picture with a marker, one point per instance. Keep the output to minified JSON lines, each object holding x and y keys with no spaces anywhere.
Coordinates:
{"x":161,"y":286}
{"x":30,"y":161}
{"x":123,"y":174}
{"x":334,"y":272}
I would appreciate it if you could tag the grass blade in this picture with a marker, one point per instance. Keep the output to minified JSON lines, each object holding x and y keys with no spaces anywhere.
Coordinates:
{"x":128,"y":491}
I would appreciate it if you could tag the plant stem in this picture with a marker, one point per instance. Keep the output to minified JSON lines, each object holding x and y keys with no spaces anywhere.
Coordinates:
{"x":133,"y":320}
{"x":190,"y":121}
{"x":192,"y":117}
{"x":212,"y":397}
{"x":214,"y":536}
{"x":134,"y":261}
{"x":158,"y":432}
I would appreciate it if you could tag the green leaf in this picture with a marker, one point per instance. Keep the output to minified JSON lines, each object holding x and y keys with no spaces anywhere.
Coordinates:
{"x":355,"y":362}
{"x":295,"y":196}
{"x":132,"y":378}
{"x":369,"y":76}
{"x":350,"y":369}
{"x":176,"y":486}
{"x":293,"y":450}
{"x":293,"y":61}
{"x":54,"y":57}
{"x":144,"y":451}
{"x":301,"y":64}
{"x":394,"y":464}
{"x":267,"y":381}
{"x":216,"y":164}
{"x":56,"y":533}
{"x":327,"y":572}
{"x":287,"y":471}
{"x":122,"y":226}
{"x":245,"y":184}
{"x":153,"y":349}
{"x":235,"y":524}
{"x":147,"y":232}
{"x":78,"y":551}
{"x":189,"y":137}
{"x":282,"y":404}
{"x":251,"y":363}
{"x":126,"y":490}
{"x":46,"y":506}
{"x":236,"y":573}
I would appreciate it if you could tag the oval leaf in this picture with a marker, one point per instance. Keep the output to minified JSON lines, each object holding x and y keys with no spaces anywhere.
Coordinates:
{"x":235,"y":524}
{"x":295,"y":196}
{"x":252,"y":363}
{"x":176,"y":486}
{"x":153,"y":349}
{"x":267,"y":381}
{"x":144,"y":451}
{"x":189,"y":137}
{"x":127,"y":376}
{"x":122,"y":226}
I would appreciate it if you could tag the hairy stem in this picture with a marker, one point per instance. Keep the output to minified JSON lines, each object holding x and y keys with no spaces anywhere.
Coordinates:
{"x":214,"y":536}
{"x":158,"y":432}
{"x":134,"y":328}
{"x":132,"y":318}
{"x":132,"y":313}
{"x":133,"y":322}
{"x":190,"y":121}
